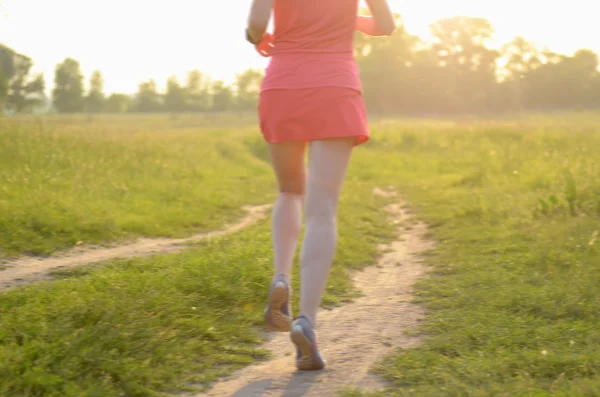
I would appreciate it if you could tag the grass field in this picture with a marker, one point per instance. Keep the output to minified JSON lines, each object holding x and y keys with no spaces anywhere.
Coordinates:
{"x":513,"y":297}
{"x":67,"y":181}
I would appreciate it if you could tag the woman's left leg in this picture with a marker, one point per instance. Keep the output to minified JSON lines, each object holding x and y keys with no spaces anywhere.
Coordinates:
{"x":288,"y":164}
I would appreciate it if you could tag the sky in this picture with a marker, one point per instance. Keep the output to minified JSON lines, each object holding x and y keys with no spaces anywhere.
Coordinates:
{"x":131,"y":41}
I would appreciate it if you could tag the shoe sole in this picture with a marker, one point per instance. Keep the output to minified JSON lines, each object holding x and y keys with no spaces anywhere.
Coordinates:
{"x":275,"y":319}
{"x":309,"y":360}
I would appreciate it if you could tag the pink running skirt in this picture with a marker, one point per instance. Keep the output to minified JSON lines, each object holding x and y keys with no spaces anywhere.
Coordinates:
{"x":307,"y":114}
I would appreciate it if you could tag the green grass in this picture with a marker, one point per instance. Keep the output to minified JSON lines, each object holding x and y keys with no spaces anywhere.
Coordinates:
{"x":65,"y":182}
{"x":141,"y":327}
{"x":512,"y":296}
{"x":148,"y":326}
{"x":513,"y":292}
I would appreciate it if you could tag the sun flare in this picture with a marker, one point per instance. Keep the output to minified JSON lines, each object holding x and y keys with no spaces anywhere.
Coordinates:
{"x":134,"y":41}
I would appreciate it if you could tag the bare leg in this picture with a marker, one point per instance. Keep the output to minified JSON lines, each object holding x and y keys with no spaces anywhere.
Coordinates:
{"x":288,"y":163}
{"x":327,"y":168}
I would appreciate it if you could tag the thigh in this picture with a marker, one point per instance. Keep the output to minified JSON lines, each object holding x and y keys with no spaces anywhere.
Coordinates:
{"x":328,"y":161}
{"x":287,"y":159}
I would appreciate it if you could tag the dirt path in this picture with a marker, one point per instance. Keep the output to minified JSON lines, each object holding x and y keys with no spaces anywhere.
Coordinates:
{"x":28,"y":269}
{"x":353,"y":337}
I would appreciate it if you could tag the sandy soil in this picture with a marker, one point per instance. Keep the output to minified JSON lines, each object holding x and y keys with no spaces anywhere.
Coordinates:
{"x":352,"y":338}
{"x":23,"y":270}
{"x":355,"y":336}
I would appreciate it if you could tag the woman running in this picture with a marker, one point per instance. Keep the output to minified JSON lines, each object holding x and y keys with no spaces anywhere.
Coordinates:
{"x":310,"y":96}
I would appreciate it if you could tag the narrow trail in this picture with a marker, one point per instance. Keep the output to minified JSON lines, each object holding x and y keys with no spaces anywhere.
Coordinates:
{"x":353,"y":337}
{"x":24,"y":270}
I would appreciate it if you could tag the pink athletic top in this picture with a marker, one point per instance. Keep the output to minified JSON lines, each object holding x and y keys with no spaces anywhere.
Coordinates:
{"x":313,"y":45}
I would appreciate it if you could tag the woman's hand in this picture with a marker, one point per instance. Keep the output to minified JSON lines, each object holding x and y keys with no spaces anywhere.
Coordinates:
{"x":260,"y":13}
{"x":266,"y":45}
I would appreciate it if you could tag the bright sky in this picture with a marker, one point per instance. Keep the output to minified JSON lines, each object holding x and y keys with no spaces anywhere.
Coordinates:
{"x":130,"y":41}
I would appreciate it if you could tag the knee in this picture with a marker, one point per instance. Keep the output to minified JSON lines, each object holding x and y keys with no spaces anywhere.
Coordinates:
{"x":296,"y":188}
{"x":322,"y":210}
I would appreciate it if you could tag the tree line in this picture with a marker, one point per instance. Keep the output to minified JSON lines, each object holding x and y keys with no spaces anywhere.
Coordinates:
{"x":199,"y":93}
{"x":457,"y":72}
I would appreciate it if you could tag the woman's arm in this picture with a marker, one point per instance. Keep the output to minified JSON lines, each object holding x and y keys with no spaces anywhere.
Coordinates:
{"x":258,"y":20}
{"x":368,"y":26}
{"x":382,"y":23}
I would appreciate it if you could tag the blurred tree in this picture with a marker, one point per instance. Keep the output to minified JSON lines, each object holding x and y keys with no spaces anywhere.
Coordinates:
{"x":7,"y":71}
{"x":148,"y":99}
{"x":198,"y":97}
{"x":6,"y":61}
{"x":67,"y":94}
{"x":117,"y":103}
{"x":562,"y":82}
{"x":222,"y":97}
{"x":95,"y":100}
{"x":23,"y":91}
{"x":3,"y":90}
{"x":384,"y":64}
{"x":248,"y":87}
{"x":582,"y":72}
{"x":175,"y":98}
{"x":467,"y":67}
{"x":424,"y":92}
{"x":456,"y":73}
{"x":521,"y":58}
{"x":18,"y":90}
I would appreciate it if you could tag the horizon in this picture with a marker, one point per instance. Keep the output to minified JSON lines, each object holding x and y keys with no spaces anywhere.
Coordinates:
{"x":167,"y":45}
